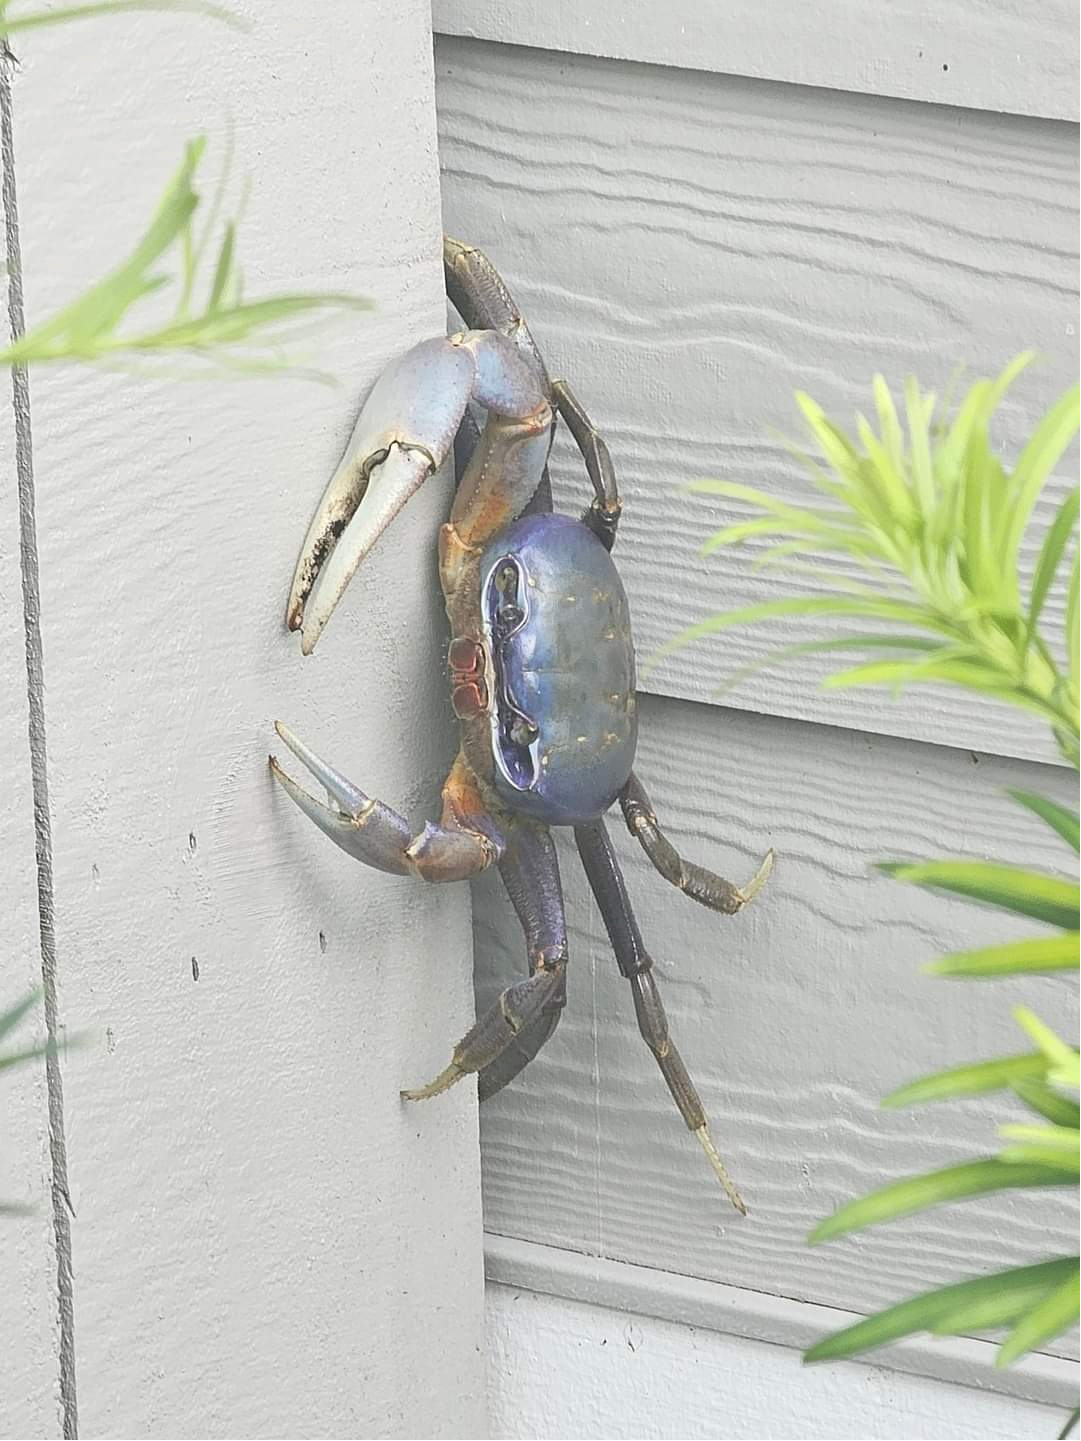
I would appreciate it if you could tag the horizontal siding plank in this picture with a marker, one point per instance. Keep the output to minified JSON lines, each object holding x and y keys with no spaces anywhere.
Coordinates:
{"x":794,"y":1018}
{"x":1008,"y":57}
{"x":689,"y":249}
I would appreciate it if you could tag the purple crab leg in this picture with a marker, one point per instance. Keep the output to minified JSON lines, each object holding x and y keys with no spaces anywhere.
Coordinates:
{"x":512,"y":1031}
{"x":702,"y":885}
{"x":636,"y":964}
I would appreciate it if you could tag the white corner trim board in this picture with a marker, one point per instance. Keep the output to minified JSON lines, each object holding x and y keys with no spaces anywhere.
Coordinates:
{"x":758,"y":1316}
{"x":263,"y":1240}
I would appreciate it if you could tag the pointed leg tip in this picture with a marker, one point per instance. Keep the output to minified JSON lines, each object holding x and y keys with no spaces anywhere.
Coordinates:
{"x":442,"y":1082}
{"x":760,"y":877}
{"x":706,"y":1142}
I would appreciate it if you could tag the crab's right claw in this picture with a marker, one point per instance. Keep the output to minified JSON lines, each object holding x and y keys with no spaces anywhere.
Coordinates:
{"x":402,"y":435}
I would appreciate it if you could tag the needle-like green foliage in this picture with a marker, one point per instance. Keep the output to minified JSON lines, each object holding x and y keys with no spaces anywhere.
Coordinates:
{"x":23,"y":19}
{"x":209,"y":319}
{"x":9,"y":1021}
{"x":935,"y":522}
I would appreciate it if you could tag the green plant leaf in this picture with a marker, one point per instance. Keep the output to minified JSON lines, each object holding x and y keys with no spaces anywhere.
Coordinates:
{"x":934,"y":520}
{"x":224,"y":268}
{"x":916,"y":1193}
{"x":1009,"y":888}
{"x":974,"y":1080}
{"x":952,"y":667}
{"x":1073,"y":625}
{"x":1061,"y":820}
{"x":1040,"y":456}
{"x":1056,"y":1313}
{"x":11,"y":1018}
{"x":1044,"y":1145}
{"x":981,"y":1304}
{"x":243,"y":335}
{"x":1054,"y":545}
{"x":95,"y":8}
{"x":1051,"y":1104}
{"x":30,"y":1053}
{"x":1044,"y":953}
{"x":1063,"y":1061}
{"x":869,"y":608}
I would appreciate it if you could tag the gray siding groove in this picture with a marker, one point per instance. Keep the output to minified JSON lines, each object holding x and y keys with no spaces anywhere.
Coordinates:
{"x":759,"y":1316}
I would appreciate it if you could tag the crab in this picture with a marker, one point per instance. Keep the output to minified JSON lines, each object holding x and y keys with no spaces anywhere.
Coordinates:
{"x":541,"y":664}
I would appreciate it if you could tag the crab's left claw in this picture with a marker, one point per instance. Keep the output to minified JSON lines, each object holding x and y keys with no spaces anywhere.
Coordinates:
{"x":402,"y":435}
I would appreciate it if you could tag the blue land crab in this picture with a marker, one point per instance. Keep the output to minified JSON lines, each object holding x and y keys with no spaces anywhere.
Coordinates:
{"x":541,"y":665}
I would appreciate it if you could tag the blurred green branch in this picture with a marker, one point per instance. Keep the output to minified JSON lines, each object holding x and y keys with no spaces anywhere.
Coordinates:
{"x":210,"y":318}
{"x":11,"y":24}
{"x":935,"y":524}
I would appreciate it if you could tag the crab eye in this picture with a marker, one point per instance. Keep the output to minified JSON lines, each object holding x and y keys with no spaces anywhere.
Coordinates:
{"x":510,"y":615}
{"x":523,"y":732}
{"x":506,"y":578}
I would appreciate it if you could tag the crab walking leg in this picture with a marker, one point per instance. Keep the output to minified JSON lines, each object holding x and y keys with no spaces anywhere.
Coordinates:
{"x":693,"y":880}
{"x":512,"y":1031}
{"x":636,"y":964}
{"x":480,"y":296}
{"x":403,"y":434}
{"x":463,"y":845}
{"x":602,"y":517}
{"x":530,"y":873}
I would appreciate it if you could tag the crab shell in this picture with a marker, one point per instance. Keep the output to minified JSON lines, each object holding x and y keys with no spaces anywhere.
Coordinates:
{"x":544,"y":685}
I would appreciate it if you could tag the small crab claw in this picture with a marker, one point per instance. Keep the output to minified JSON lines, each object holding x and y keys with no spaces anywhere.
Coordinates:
{"x":403,"y":434}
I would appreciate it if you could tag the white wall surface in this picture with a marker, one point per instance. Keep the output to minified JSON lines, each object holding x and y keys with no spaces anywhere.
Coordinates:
{"x":561,"y":1368}
{"x":264,"y":1241}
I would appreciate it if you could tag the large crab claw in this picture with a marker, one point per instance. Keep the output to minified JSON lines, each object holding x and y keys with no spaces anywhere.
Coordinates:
{"x":403,"y":434}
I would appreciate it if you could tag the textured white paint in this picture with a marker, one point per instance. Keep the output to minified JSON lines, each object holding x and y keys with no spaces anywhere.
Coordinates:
{"x":1012,"y":56}
{"x":266,"y":1242}
{"x":690,"y":248}
{"x":561,"y":1368}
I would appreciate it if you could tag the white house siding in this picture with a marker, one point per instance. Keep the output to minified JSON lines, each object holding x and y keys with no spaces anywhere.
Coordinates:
{"x":691,"y":241}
